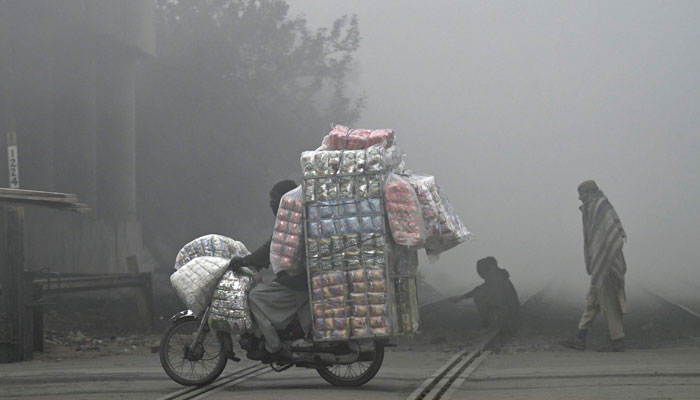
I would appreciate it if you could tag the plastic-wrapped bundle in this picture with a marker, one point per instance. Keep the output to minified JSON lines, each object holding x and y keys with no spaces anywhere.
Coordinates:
{"x":424,"y":186}
{"x":211,"y":245}
{"x":407,"y":303}
{"x":341,"y":227}
{"x":375,"y":159}
{"x":343,"y":138}
{"x":328,"y":294}
{"x":452,"y":231}
{"x":195,"y":282}
{"x":199,"y":266}
{"x":367,"y":297}
{"x":286,"y":249}
{"x":319,"y":164}
{"x":330,"y":322}
{"x":403,"y":212}
{"x":369,"y":320}
{"x":358,"y":175}
{"x":229,"y":307}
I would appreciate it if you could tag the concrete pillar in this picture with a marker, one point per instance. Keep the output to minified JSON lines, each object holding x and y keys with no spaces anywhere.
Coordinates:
{"x":75,"y":123}
{"x":117,"y":138}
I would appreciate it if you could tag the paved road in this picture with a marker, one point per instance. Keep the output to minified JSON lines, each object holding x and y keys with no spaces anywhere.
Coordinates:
{"x":671,"y":373}
{"x":141,"y":377}
{"x":663,"y":362}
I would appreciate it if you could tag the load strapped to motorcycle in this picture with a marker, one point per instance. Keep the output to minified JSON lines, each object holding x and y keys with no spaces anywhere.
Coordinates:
{"x":356,"y":224}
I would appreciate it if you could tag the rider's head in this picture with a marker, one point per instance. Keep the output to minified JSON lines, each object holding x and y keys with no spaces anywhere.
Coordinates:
{"x":277,"y":191}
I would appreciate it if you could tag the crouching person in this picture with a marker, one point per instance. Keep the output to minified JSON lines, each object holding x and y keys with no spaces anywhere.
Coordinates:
{"x":275,"y":305}
{"x":496,"y":298}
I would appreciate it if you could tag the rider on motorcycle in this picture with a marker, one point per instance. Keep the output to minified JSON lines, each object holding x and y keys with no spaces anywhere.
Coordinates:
{"x":275,"y":305}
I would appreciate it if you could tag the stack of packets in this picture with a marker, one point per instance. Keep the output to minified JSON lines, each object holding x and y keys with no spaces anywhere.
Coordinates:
{"x":346,"y":242}
{"x":229,"y":310}
{"x":288,"y":238}
{"x":404,"y":262}
{"x":209,"y":245}
{"x":443,"y":227}
{"x":343,"y":175}
{"x":363,"y":275}
{"x":343,"y":138}
{"x":404,"y":212}
{"x":200,"y":266}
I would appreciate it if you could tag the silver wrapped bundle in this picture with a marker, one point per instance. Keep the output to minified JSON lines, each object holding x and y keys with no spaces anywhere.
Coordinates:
{"x":423,"y":185}
{"x":452,"y":231}
{"x":343,"y":175}
{"x":199,"y":266}
{"x":195,"y":282}
{"x":212,"y":245}
{"x":229,"y":309}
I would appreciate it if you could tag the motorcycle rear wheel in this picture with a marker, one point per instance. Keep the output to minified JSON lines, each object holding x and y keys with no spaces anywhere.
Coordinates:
{"x":196,"y":371}
{"x":357,"y":373}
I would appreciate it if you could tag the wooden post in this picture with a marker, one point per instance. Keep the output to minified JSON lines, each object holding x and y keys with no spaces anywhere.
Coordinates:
{"x":142,"y":295}
{"x":28,"y":316}
{"x":37,"y":314}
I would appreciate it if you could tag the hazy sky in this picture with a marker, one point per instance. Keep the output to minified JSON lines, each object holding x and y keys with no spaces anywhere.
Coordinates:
{"x":512,"y":104}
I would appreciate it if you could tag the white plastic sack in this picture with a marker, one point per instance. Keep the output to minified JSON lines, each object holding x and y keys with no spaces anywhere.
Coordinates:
{"x":196,"y":281}
{"x":210,"y":245}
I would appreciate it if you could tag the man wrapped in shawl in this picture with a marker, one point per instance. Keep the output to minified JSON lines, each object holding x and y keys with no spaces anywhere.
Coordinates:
{"x":603,"y":238}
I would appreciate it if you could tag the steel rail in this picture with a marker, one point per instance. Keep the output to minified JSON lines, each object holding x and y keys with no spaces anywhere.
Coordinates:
{"x":232,"y":379}
{"x":436,"y":384}
{"x":454,"y":386}
{"x":443,"y":383}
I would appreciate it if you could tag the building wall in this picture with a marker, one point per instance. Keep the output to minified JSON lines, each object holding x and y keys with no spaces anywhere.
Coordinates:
{"x":66,"y":74}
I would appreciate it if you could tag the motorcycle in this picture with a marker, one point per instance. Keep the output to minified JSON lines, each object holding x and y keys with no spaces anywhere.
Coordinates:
{"x":193,"y":354}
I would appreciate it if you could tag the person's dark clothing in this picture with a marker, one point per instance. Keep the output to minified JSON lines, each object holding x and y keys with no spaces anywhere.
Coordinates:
{"x":278,"y":190}
{"x":496,"y":298}
{"x":260,"y":259}
{"x":274,"y":305}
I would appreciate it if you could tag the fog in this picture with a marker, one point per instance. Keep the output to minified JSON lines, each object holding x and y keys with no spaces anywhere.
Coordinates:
{"x":512,"y":104}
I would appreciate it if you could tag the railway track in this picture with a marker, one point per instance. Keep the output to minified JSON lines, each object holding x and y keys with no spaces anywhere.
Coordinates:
{"x":224,"y":382}
{"x":443,"y":383}
{"x":447,"y":379}
{"x":685,"y":309}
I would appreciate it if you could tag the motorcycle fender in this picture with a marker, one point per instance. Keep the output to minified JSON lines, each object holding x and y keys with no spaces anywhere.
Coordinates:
{"x":184,"y":314}
{"x":356,"y":348}
{"x":328,"y":358}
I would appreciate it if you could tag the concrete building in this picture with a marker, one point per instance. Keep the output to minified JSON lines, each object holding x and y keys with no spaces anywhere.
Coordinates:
{"x":68,"y":91}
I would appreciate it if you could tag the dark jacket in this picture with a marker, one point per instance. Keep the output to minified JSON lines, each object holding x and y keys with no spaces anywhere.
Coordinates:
{"x":260,"y":259}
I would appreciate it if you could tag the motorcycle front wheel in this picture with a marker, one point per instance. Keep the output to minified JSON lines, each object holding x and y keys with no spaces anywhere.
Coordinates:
{"x":357,"y":373}
{"x":191,"y":367}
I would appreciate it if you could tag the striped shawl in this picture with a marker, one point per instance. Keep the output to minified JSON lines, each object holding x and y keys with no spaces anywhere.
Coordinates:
{"x":603,"y":238}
